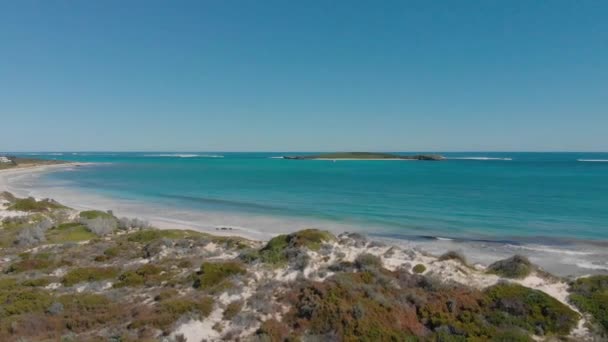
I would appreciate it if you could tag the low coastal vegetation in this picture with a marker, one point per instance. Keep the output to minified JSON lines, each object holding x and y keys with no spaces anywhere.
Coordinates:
{"x":11,"y":162}
{"x":91,"y":276}
{"x":515,"y":267}
{"x":590,"y":295}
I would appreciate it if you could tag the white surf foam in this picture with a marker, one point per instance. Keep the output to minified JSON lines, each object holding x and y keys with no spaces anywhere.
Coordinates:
{"x":591,"y":266}
{"x":593,"y":160}
{"x":184,"y":155}
{"x":443,"y":238}
{"x":546,"y":249}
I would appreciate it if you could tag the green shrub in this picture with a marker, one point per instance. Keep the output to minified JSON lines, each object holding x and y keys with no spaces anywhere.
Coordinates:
{"x":93,"y":214}
{"x":453,"y":255}
{"x":145,"y":275}
{"x":89,"y":274}
{"x":214,"y":275}
{"x":368,"y":261}
{"x":30,"y":204}
{"x":233,"y":309}
{"x":69,"y":232}
{"x":590,"y":295}
{"x":273,"y":330}
{"x":516,"y":266}
{"x":147,"y":235}
{"x":18,"y":301}
{"x":420,"y":268}
{"x":84,"y":302}
{"x":167,"y":312}
{"x":29,"y":265}
{"x":38,"y":282}
{"x":275,"y":250}
{"x":512,"y":304}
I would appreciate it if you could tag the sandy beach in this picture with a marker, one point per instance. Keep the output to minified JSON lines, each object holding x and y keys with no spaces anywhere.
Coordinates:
{"x":575,"y":260}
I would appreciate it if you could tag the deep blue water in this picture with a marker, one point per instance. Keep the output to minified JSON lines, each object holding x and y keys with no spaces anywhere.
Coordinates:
{"x":526,"y":195}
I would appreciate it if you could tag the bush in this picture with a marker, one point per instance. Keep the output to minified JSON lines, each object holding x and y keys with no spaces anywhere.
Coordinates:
{"x":420,"y":268}
{"x":233,"y":309}
{"x":532,"y":310}
{"x":19,"y":301}
{"x":93,"y":214}
{"x":38,"y":262}
{"x":145,"y":275}
{"x":38,"y":282}
{"x":69,"y":232}
{"x":89,"y":274}
{"x":214,"y":275}
{"x":453,"y":255}
{"x":273,"y":330}
{"x":591,"y":296}
{"x":125,"y":223}
{"x":167,"y":312}
{"x":30,"y":236}
{"x":100,"y":225}
{"x":516,"y":266}
{"x":279,"y":249}
{"x":368,"y":261}
{"x":30,"y":204}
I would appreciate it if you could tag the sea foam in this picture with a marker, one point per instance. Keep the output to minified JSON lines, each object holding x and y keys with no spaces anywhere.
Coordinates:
{"x":184,"y":155}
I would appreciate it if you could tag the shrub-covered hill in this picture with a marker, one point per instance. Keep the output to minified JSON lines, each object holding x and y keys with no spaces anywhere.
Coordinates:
{"x":90,"y":276}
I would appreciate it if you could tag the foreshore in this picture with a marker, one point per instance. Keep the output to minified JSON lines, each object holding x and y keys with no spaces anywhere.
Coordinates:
{"x":575,"y":259}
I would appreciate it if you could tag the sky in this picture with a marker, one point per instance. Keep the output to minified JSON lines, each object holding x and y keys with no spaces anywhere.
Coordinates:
{"x":303,"y":75}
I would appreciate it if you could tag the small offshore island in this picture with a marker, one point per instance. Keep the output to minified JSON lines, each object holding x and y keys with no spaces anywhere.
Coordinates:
{"x":89,"y":275}
{"x":366,"y":156}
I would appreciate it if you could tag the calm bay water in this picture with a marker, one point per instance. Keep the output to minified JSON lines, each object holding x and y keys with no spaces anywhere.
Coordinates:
{"x":494,"y":196}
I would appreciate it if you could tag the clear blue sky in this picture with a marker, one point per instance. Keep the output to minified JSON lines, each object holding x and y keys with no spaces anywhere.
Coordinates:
{"x":304,"y":75}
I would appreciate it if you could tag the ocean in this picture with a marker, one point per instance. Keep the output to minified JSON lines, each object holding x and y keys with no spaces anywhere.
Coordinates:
{"x":546,"y":205}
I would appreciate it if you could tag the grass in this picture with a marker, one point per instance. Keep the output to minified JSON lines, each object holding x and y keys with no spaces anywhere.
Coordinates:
{"x":215,"y":275}
{"x":69,"y":232}
{"x":89,"y":274}
{"x":515,"y":267}
{"x":590,"y":295}
{"x":31,"y":205}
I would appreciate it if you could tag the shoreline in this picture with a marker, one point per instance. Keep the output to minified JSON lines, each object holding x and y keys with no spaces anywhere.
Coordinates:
{"x":577,"y":259}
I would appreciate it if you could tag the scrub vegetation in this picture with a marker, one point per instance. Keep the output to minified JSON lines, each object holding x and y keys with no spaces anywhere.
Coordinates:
{"x":89,"y":276}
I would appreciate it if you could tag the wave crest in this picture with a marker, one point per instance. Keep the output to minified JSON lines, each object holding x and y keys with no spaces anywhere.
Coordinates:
{"x":183,"y":155}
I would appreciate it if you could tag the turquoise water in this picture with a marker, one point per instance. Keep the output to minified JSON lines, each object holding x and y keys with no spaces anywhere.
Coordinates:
{"x":518,"y":196}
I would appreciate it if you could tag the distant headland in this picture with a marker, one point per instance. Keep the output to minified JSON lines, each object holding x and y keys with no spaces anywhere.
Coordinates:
{"x":366,"y":156}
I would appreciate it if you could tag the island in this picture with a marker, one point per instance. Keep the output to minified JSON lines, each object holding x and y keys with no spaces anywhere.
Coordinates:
{"x":366,"y":156}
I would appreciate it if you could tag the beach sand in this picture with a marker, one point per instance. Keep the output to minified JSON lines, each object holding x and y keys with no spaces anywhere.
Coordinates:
{"x":574,"y":260}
